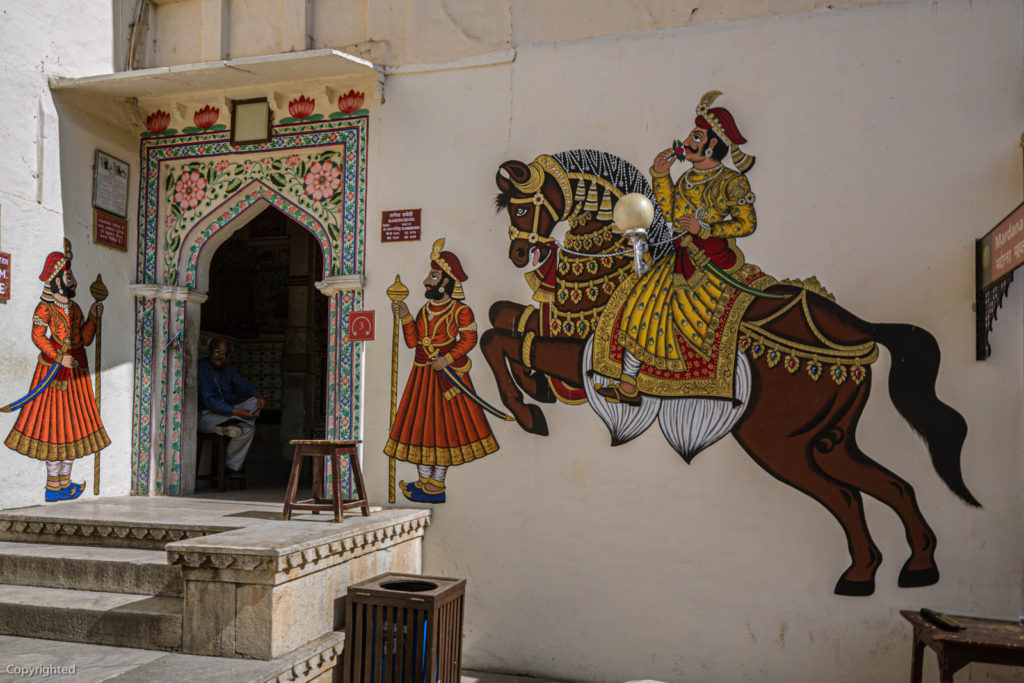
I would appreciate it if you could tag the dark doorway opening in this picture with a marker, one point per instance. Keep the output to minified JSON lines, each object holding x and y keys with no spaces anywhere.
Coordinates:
{"x":263,"y":301}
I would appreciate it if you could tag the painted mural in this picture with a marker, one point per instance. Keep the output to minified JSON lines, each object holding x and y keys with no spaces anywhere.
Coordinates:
{"x":441,"y":421}
{"x":59,"y":420}
{"x":681,"y":329}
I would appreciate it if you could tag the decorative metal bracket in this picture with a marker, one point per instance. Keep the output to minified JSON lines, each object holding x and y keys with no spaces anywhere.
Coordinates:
{"x":989,"y":300}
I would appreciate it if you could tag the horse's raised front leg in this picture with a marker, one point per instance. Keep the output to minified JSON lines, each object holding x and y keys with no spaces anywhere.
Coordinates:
{"x":499,"y":345}
{"x":518,"y":320}
{"x":841,"y":458}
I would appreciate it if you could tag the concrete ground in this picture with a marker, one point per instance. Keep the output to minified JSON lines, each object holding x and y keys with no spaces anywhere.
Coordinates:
{"x":36,"y":661}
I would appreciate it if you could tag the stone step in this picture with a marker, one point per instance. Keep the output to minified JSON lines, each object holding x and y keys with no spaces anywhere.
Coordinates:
{"x":40,"y":527}
{"x":89,"y":568}
{"x":122,"y":619}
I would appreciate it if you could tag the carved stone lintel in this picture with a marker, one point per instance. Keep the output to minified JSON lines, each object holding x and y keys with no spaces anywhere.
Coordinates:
{"x":330,"y":286}
{"x":147,"y":290}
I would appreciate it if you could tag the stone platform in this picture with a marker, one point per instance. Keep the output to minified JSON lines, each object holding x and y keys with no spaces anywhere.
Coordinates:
{"x":220,"y":577}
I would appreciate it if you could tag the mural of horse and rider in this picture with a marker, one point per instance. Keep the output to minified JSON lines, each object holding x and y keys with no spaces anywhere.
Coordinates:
{"x":686,"y":332}
{"x":676,"y":327}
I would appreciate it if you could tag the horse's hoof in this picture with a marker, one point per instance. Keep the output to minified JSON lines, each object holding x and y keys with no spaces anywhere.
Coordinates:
{"x":855,"y":588}
{"x":538,"y":423}
{"x":915,"y":578}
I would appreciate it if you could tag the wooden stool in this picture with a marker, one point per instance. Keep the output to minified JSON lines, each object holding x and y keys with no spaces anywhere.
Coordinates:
{"x":218,"y":458}
{"x":322,"y":451}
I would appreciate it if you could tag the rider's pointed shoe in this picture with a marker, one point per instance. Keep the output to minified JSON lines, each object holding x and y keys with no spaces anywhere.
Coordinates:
{"x":615,"y":394}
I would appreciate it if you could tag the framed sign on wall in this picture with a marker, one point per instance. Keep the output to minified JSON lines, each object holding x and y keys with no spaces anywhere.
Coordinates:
{"x":110,"y":185}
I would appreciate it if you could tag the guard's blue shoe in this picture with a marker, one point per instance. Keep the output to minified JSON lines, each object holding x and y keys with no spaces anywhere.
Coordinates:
{"x":54,"y":496}
{"x":73,"y":490}
{"x":418,"y":495}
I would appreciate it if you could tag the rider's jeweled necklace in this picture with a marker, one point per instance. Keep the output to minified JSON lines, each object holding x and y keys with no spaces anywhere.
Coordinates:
{"x":710,"y":175}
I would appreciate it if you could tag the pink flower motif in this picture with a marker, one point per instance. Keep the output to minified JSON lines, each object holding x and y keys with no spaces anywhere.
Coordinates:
{"x":248,"y":164}
{"x":293,"y":159}
{"x":221,"y":165}
{"x":206,"y":117}
{"x":265,"y":160}
{"x":170,"y":221}
{"x":189,"y":190}
{"x":301,"y":107}
{"x":350,"y":102}
{"x":322,"y":180}
{"x":158,"y":121}
{"x":226,"y":215}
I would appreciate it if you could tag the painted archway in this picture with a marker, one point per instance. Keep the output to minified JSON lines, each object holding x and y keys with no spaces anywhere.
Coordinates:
{"x":196,"y":190}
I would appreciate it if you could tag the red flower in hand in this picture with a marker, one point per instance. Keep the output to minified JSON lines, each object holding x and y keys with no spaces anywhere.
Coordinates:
{"x":158,"y":121}
{"x":350,"y":102}
{"x":206,"y":117}
{"x":302,"y":107}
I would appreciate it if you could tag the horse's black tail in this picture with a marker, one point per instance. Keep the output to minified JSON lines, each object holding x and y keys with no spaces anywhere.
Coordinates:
{"x":915,"y":366}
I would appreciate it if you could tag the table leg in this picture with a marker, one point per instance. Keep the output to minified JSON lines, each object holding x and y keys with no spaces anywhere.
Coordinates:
{"x":357,"y":474}
{"x":336,"y":486}
{"x":293,"y":483}
{"x":318,"y":480}
{"x":916,"y":660}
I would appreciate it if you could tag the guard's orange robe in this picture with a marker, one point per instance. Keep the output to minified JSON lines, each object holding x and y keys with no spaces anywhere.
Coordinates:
{"x":436,"y":424}
{"x":62,"y":423}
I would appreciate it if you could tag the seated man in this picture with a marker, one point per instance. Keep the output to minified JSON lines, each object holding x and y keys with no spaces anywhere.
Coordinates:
{"x":219,"y":383}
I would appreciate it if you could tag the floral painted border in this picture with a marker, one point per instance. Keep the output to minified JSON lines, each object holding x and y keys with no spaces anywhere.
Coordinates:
{"x":347,"y":252}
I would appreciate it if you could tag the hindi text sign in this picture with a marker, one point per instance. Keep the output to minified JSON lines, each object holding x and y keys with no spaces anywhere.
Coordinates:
{"x":402,"y":225}
{"x":109,"y":230}
{"x":5,"y":276}
{"x":1002,"y":249}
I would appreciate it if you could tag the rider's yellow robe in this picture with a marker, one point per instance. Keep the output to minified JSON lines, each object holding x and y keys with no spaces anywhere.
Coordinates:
{"x":675,"y":303}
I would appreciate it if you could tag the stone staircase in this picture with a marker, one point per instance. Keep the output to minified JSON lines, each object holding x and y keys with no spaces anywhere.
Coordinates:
{"x":108,"y":596}
{"x":224,"y":579}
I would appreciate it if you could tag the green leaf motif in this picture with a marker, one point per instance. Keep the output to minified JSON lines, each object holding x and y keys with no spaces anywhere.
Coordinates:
{"x":191,"y":130}
{"x":233,"y":185}
{"x":278,"y":179}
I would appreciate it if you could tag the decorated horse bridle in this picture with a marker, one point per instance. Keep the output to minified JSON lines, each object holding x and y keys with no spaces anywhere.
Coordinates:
{"x":538,"y":167}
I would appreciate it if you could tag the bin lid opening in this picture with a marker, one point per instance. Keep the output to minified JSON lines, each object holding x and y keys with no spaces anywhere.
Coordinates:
{"x":409,"y":586}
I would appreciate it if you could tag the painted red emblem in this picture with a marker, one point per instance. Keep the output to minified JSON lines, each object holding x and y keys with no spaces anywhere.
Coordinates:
{"x":361,"y":326}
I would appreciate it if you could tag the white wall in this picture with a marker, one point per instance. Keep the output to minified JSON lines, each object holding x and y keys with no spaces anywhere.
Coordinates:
{"x":46,"y":195}
{"x":887,"y":141}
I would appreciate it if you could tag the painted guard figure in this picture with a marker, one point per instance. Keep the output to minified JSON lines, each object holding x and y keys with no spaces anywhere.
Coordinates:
{"x":59,"y":420}
{"x":440,"y":422}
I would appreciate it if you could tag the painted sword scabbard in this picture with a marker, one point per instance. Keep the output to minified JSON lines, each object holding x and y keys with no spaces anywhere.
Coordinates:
{"x":473,"y":396}
{"x":34,"y":391}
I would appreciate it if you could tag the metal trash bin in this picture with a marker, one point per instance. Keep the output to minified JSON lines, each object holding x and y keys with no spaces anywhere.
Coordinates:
{"x":404,"y":628}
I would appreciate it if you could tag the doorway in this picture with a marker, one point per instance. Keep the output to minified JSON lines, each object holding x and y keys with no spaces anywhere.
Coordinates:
{"x":263,"y":302}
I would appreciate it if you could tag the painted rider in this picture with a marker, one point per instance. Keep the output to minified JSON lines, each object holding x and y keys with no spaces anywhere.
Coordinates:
{"x":437,"y":425}
{"x":61,"y":423}
{"x":709,"y":207}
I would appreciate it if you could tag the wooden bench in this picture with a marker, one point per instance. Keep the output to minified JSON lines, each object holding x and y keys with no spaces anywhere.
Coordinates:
{"x":322,"y":451}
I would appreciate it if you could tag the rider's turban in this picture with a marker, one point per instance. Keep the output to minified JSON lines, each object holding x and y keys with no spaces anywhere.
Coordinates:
{"x":449,"y":263}
{"x":719,"y":120}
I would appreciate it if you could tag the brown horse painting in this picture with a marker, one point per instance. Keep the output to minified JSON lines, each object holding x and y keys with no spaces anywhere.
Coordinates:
{"x":802,"y":374}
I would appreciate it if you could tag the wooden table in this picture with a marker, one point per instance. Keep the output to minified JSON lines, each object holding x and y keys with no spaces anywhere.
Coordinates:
{"x":984,"y":640}
{"x":322,"y":450}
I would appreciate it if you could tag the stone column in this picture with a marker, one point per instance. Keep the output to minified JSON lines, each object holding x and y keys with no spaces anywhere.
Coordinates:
{"x":176,"y":336}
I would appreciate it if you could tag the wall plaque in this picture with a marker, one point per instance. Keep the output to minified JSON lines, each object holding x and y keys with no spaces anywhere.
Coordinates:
{"x":5,"y":276}
{"x":402,"y":225}
{"x":110,"y":185}
{"x":109,"y":230}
